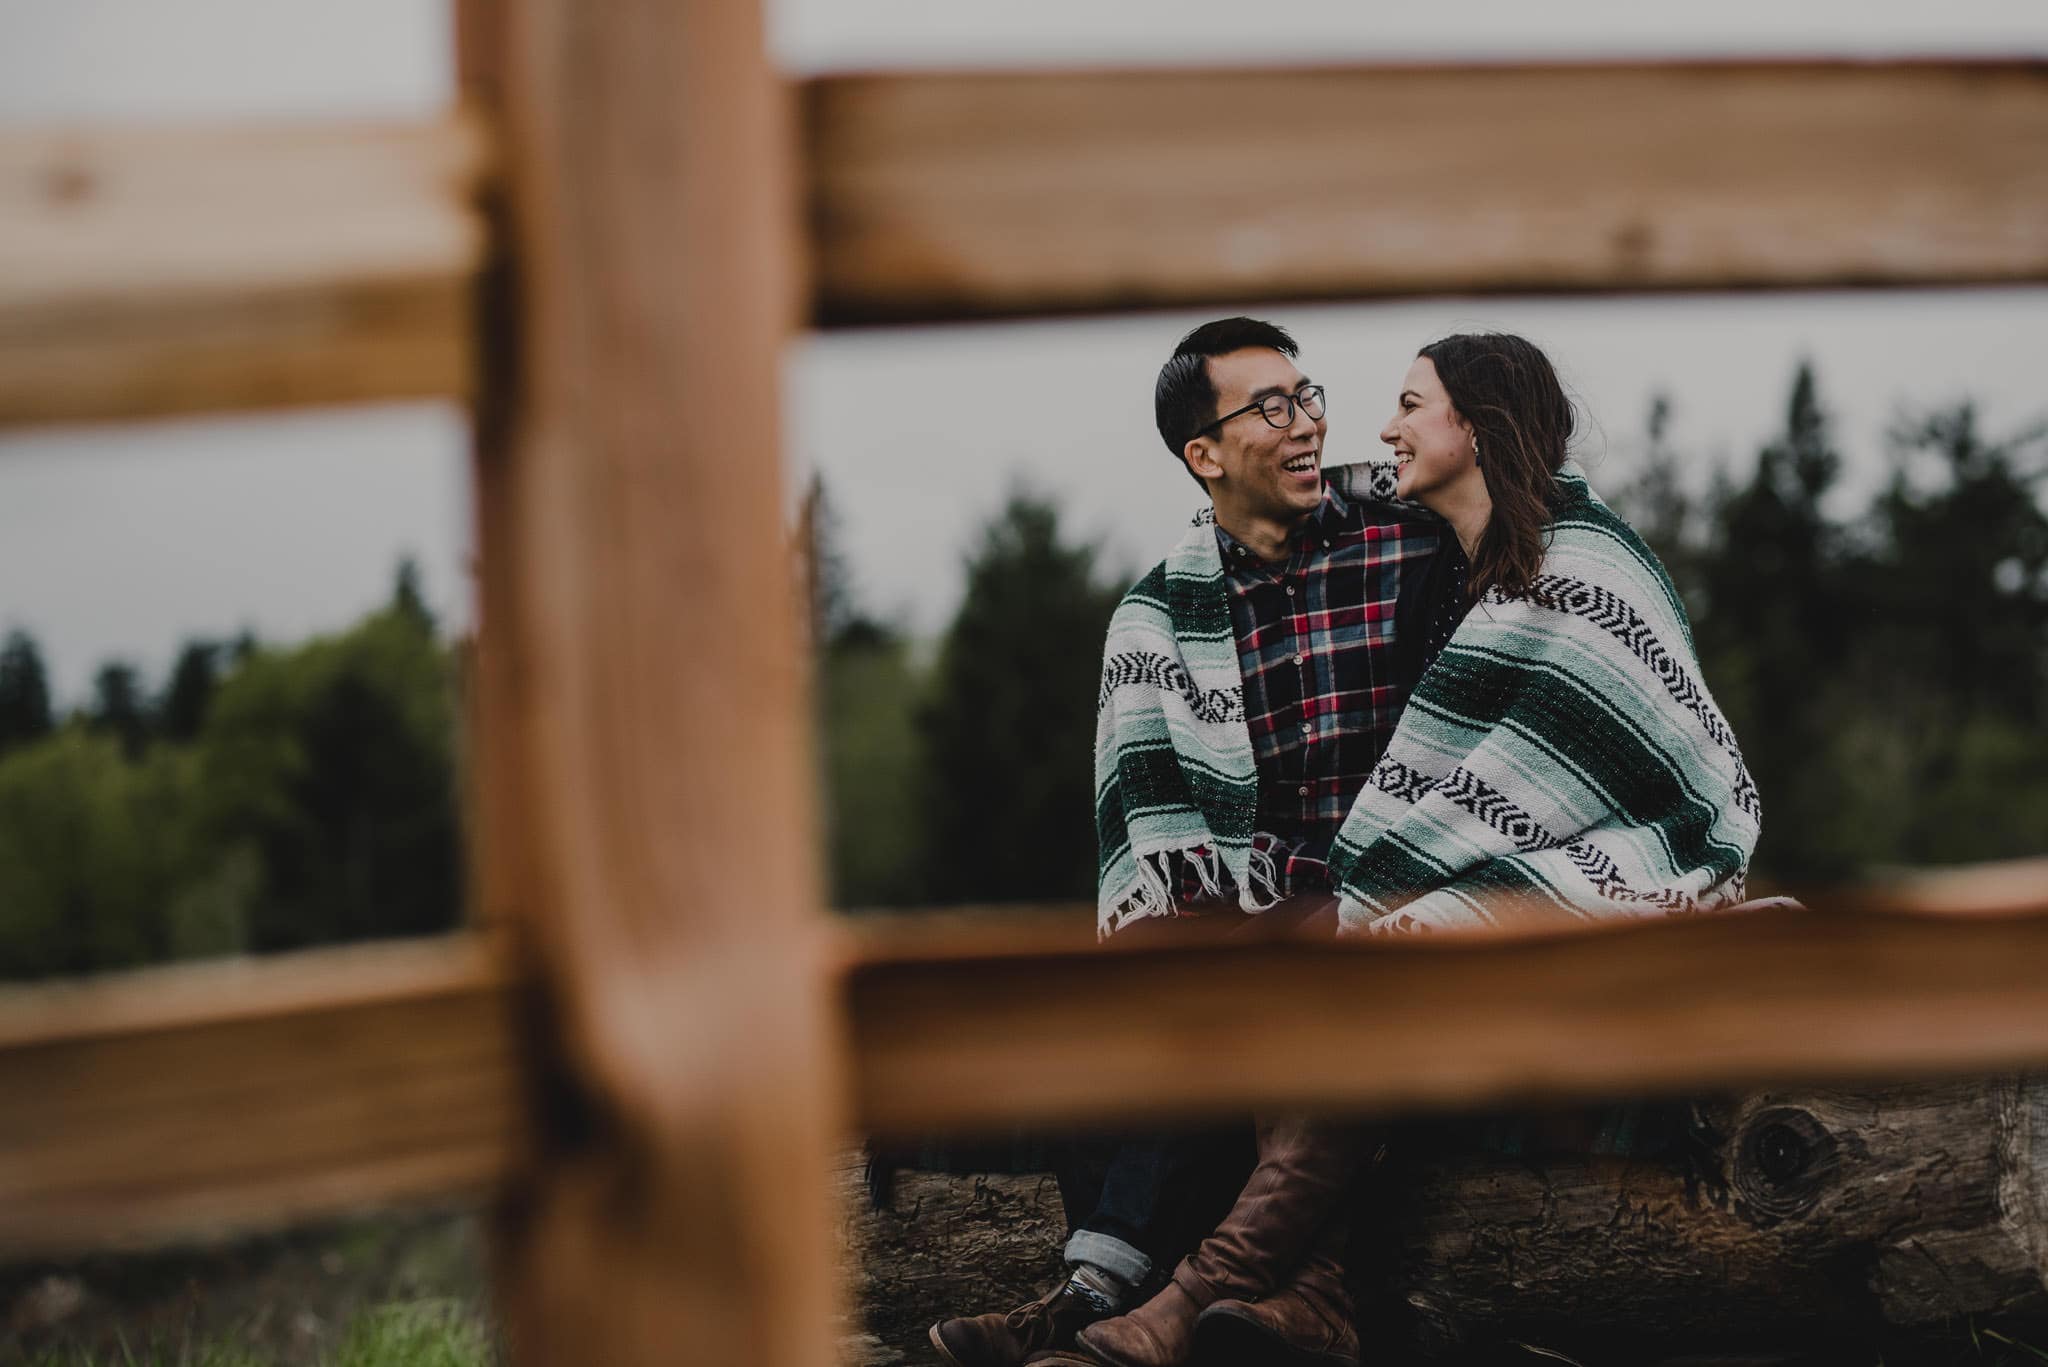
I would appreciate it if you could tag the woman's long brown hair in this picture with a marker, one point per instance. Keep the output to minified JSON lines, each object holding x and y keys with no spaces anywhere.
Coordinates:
{"x":1507,"y":389}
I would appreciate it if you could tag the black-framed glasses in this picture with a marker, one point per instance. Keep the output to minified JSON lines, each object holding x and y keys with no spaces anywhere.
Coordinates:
{"x":1277,"y":409}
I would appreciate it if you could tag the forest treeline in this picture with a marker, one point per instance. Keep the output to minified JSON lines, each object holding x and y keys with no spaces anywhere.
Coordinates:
{"x":1885,"y":666}
{"x":265,"y":798}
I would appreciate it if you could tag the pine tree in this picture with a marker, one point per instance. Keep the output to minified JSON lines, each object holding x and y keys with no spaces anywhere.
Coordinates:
{"x":1781,"y":603}
{"x":1009,"y":732}
{"x":406,"y":598}
{"x":119,"y":707}
{"x":24,"y":693}
{"x":194,"y":679}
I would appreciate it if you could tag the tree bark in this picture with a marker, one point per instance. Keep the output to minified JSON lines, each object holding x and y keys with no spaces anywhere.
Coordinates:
{"x":1785,"y":1220}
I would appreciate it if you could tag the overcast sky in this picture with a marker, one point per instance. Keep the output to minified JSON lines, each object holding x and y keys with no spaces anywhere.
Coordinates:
{"x":125,"y":540}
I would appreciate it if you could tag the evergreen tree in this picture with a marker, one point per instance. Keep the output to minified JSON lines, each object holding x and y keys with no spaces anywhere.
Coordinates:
{"x":837,"y":619}
{"x":24,"y":693}
{"x":333,"y":763}
{"x":1009,"y":731}
{"x":1950,"y":676}
{"x":1659,"y":503}
{"x":1779,"y":606}
{"x":406,"y":598}
{"x":182,"y":710}
{"x":867,"y":696}
{"x":1962,"y":568}
{"x":119,"y":707}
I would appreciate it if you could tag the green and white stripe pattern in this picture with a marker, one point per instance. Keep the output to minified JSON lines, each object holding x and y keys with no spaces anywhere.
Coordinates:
{"x":1563,"y":747}
{"x":1175,"y":782}
{"x":1563,"y":750}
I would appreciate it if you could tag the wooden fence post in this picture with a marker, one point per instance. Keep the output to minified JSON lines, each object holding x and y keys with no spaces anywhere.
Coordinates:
{"x":680,"y":1208}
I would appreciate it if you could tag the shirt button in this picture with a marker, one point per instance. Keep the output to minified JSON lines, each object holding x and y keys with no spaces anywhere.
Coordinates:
{"x":1301,"y":659}
{"x":1302,"y":792}
{"x":1290,"y":590}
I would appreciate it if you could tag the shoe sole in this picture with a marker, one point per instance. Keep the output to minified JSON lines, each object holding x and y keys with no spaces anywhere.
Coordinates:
{"x":1227,"y":1341}
{"x":939,"y":1345}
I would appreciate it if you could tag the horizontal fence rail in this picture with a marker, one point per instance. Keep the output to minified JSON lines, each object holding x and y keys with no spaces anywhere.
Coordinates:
{"x":942,"y":196}
{"x":161,"y":270}
{"x":148,"y":270}
{"x":189,"y":1098}
{"x":182,"y":1100}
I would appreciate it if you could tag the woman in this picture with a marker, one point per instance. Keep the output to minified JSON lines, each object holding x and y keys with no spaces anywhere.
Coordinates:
{"x":1559,"y":758}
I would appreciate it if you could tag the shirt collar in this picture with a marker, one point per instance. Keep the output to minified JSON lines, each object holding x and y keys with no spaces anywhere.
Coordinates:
{"x":1328,"y":515}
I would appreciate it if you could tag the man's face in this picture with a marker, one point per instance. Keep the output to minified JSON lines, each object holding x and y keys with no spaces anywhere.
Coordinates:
{"x":1255,"y":470}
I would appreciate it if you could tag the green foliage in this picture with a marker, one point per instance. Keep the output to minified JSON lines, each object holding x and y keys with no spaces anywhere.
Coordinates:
{"x":421,"y":1333}
{"x":189,"y":695}
{"x":334,"y":764}
{"x":869,"y":694}
{"x":1887,"y":675}
{"x":1010,"y":725}
{"x":89,"y":842}
{"x":416,"y":1334}
{"x":305,"y":796}
{"x":119,"y":708}
{"x":24,"y":693}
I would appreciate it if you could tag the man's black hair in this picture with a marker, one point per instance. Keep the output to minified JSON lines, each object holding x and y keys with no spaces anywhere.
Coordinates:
{"x":1184,"y":399}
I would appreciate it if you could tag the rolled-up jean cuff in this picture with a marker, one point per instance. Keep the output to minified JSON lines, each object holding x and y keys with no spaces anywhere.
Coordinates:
{"x":1109,"y":1253}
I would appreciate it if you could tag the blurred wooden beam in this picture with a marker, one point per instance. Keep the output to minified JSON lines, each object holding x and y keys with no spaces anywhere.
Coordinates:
{"x":986,"y":1031}
{"x":948,"y":196}
{"x":193,"y":1097}
{"x":2000,"y":888}
{"x":684,"y":1207}
{"x":148,"y":271}
{"x":178,"y":1101}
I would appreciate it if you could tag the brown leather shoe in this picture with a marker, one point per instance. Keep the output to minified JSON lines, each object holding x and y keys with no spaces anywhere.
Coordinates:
{"x":1292,"y":1195}
{"x":1306,"y":1323}
{"x":1006,"y":1339}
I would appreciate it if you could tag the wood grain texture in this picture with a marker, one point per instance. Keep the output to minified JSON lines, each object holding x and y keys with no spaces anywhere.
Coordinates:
{"x":994,"y":1035}
{"x":148,"y":271}
{"x":498,"y":797}
{"x":940,"y":196}
{"x":684,"y":1071}
{"x":1816,"y":1219}
{"x":252,"y":1092}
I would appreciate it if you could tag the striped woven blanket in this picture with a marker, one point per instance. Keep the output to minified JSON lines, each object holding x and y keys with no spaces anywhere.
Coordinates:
{"x":1562,"y":747}
{"x":1176,"y":788}
{"x":1562,"y":753}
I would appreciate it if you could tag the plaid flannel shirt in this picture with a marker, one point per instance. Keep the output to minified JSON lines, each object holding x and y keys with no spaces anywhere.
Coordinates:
{"x":1325,"y":672}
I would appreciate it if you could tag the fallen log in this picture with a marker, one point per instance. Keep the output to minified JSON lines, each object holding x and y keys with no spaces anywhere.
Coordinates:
{"x":1783,"y":1220}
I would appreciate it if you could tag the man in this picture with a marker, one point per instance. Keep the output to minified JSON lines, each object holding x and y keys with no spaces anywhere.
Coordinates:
{"x":1226,"y":760}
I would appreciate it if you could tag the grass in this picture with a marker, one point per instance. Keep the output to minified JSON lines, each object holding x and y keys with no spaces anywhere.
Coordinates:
{"x":425,"y":1333}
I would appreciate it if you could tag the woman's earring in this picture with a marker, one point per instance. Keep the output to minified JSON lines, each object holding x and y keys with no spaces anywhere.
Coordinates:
{"x":1475,"y":450}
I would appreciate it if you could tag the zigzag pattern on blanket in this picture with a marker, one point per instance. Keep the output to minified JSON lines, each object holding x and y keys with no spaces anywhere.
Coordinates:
{"x":1501,"y":812}
{"x":1609,"y":612}
{"x":1535,"y":756}
{"x":1151,"y":669}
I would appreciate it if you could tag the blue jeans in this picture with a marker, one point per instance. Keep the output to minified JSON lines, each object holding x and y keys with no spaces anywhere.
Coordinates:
{"x":1137,"y":1203}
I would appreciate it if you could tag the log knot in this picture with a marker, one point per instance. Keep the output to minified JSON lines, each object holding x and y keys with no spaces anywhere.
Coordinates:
{"x":1785,"y":1159}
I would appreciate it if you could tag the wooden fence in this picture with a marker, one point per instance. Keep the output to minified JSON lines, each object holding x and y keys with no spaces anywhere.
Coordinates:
{"x":652,"y":1043}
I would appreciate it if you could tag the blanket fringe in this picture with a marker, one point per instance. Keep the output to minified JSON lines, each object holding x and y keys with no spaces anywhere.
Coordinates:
{"x":1265,"y":874}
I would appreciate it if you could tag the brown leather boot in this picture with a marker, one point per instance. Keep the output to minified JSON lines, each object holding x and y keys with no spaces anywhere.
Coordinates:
{"x":1304,"y":1170}
{"x":1006,"y":1339}
{"x":1306,"y":1323}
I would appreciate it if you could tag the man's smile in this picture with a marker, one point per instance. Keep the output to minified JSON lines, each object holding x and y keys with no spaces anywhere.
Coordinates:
{"x":1303,"y":464}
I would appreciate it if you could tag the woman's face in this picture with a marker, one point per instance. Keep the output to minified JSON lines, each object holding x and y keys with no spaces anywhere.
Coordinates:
{"x":1432,"y":444}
